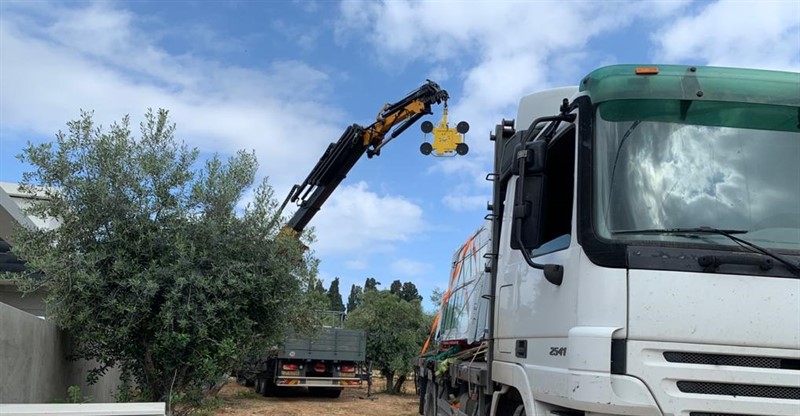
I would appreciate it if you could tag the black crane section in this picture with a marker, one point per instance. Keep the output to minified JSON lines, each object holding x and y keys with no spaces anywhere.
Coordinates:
{"x":342,"y":155}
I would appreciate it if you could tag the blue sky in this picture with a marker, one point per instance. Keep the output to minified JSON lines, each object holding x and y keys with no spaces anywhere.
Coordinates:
{"x":286,"y":77}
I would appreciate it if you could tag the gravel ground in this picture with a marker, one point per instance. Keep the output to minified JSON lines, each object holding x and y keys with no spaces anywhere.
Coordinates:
{"x":239,"y":401}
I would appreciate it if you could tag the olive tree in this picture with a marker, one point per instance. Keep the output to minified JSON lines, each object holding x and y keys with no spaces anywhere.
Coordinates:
{"x":157,"y":266}
{"x":395,"y":333}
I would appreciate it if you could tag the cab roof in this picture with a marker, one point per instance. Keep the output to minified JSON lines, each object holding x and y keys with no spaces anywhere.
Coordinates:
{"x":685,"y":82}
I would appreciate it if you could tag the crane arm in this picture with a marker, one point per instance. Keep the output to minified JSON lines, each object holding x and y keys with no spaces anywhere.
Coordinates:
{"x":340,"y":156}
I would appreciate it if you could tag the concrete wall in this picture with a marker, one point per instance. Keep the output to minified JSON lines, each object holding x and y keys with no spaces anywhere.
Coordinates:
{"x":33,"y":303}
{"x":33,"y":364}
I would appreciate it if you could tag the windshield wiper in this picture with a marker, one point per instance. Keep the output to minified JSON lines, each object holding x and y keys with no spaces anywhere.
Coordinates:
{"x":727,"y":233}
{"x":696,"y":230}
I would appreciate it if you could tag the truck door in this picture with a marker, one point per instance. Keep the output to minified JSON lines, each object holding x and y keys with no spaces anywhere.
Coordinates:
{"x":534,"y":316}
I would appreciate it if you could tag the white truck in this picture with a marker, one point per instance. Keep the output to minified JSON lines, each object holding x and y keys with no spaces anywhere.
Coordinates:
{"x":644,"y":254}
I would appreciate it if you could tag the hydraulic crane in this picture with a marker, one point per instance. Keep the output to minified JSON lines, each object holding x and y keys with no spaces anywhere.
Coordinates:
{"x":342,"y":155}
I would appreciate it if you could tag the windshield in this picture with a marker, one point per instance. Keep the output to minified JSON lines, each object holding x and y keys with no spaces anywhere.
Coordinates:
{"x":657,"y":167}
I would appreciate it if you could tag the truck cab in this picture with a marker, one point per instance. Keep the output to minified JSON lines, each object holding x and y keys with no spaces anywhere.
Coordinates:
{"x":645,"y":251}
{"x":648,"y":251}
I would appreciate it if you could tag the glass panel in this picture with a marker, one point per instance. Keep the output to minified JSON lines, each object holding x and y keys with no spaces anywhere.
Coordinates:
{"x":673,"y":174}
{"x":465,"y":306}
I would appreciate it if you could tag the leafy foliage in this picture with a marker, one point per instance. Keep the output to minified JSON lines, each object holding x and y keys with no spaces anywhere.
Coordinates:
{"x":318,"y":287}
{"x":396,"y":287}
{"x":371,"y":284}
{"x":406,"y":290}
{"x":317,"y":296}
{"x":395,"y":329}
{"x":153,"y":267}
{"x":335,"y":297}
{"x":436,"y":296}
{"x":354,"y":298}
{"x":410,"y":293}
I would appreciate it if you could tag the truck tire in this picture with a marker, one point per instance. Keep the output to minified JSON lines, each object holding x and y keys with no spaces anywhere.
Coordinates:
{"x":519,"y":411}
{"x":423,"y":392}
{"x":269,"y":388}
{"x":430,"y":399}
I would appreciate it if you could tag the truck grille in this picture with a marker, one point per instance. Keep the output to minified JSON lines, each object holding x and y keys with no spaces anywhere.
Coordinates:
{"x":732,"y":360}
{"x":746,"y":390}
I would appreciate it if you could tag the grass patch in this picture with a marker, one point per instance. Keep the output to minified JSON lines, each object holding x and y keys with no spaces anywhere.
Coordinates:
{"x":246,"y":394}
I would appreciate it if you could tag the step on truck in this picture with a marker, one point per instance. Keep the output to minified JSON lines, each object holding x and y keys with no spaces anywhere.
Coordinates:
{"x":643,"y":254}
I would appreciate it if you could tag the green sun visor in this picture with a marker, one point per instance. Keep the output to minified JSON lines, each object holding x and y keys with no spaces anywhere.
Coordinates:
{"x":755,"y":86}
{"x":744,"y":98}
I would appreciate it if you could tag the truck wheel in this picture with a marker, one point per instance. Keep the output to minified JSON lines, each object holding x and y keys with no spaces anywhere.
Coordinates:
{"x":430,"y":399}
{"x":269,"y":388}
{"x":425,"y":148}
{"x":423,"y":392}
{"x":462,"y":149}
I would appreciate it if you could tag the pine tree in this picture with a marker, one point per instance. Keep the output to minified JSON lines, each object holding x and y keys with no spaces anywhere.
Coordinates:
{"x":409,"y":292}
{"x":335,"y":297}
{"x":371,"y":284}
{"x":355,"y":297}
{"x":396,"y":288}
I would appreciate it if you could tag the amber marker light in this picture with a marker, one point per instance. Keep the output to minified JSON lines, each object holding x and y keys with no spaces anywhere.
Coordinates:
{"x":646,"y":70}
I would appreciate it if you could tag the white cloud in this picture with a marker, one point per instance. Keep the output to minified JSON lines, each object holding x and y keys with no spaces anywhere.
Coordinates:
{"x":356,"y":265}
{"x":55,"y":60}
{"x":303,"y":36}
{"x":407,"y":267}
{"x":356,"y":219}
{"x":458,"y":202}
{"x":764,"y":34}
{"x":499,"y":51}
{"x":308,"y":6}
{"x":439,"y":73}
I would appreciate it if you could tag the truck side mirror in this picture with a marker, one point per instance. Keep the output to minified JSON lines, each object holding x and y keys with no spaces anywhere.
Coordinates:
{"x":527,"y":227}
{"x":528,"y":223}
{"x":526,"y":231}
{"x":534,"y":153}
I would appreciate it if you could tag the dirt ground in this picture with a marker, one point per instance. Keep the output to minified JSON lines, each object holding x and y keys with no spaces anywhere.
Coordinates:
{"x":239,"y":400}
